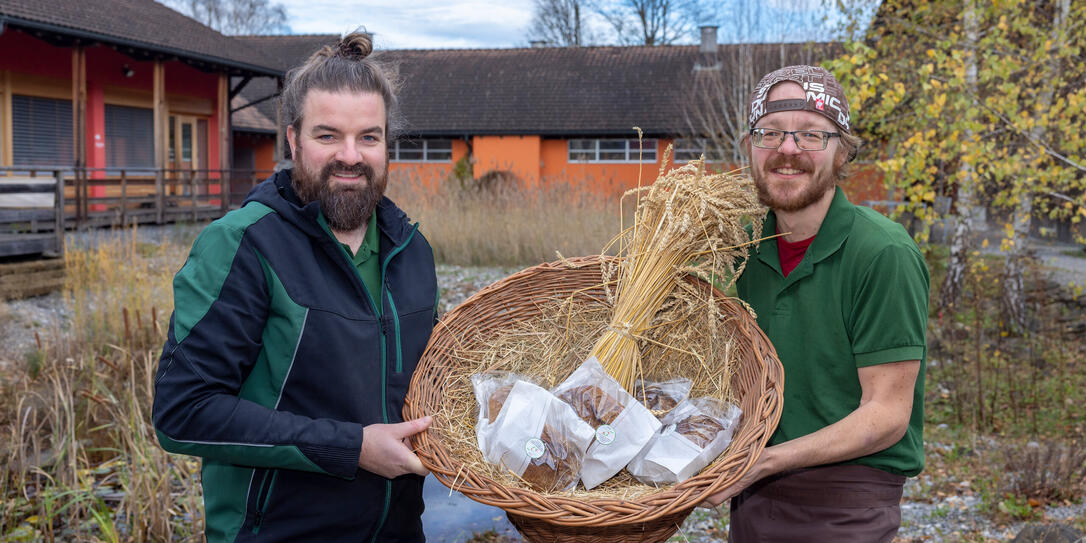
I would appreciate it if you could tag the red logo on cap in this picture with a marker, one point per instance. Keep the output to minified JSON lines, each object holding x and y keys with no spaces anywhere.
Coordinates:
{"x":818,"y":104}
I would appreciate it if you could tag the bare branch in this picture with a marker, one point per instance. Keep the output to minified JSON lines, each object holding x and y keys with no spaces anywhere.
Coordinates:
{"x":235,"y":17}
{"x":561,"y":22}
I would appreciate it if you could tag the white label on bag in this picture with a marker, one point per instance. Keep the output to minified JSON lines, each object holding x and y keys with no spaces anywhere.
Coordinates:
{"x":605,"y":434}
{"x":535,"y":448}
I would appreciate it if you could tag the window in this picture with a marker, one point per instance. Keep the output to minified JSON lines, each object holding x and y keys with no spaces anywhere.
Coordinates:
{"x":41,"y":130}
{"x":421,"y":151}
{"x":129,"y":138}
{"x":612,"y":150}
{"x":690,"y":149}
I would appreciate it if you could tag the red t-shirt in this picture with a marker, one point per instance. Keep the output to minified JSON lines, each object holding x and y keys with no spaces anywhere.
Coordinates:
{"x":791,"y":253}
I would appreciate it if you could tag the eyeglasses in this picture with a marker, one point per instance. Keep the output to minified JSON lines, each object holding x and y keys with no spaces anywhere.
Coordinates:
{"x":807,"y":140}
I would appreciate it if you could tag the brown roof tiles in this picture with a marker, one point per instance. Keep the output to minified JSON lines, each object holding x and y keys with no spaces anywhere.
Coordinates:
{"x":142,"y":24}
{"x":551,"y":91}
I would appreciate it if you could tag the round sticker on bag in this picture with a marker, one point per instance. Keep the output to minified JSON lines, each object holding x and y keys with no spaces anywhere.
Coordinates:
{"x":605,"y":434}
{"x":667,"y":429}
{"x":535,"y":448}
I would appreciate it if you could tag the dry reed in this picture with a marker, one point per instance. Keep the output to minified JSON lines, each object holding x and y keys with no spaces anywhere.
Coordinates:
{"x":506,"y":224}
{"x":689,"y":222}
{"x":82,"y":462}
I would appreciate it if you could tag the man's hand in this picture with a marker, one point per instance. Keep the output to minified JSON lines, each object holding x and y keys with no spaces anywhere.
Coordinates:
{"x":386,"y":450}
{"x":760,"y":469}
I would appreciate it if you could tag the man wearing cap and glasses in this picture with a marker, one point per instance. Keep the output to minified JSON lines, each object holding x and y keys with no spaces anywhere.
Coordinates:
{"x":843,"y":296}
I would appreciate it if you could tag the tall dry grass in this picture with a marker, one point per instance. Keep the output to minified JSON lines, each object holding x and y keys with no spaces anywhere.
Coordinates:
{"x":508,"y":222}
{"x":80,"y":459}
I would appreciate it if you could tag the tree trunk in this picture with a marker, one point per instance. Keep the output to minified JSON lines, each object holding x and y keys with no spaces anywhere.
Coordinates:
{"x":964,"y":224}
{"x":1013,"y":302}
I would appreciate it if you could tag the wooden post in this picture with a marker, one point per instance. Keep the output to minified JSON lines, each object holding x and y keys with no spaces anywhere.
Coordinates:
{"x":58,"y":204}
{"x":162,"y":140}
{"x":225,"y":151}
{"x":79,"y":126}
{"x":192,"y":194}
{"x":279,"y":136}
{"x":8,"y":159}
{"x":124,"y":199}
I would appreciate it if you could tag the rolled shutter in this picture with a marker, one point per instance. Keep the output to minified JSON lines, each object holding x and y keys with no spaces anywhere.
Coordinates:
{"x":41,"y":131}
{"x":130,"y":142}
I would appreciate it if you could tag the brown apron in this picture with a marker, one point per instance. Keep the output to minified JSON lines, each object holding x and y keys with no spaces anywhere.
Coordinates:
{"x":831,"y":503}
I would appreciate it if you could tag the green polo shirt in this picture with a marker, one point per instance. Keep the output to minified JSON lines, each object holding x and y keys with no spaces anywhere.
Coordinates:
{"x":365,"y":260}
{"x":858,"y":298}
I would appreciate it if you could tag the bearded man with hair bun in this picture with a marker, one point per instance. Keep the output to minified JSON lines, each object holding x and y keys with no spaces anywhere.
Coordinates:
{"x":298,"y":322}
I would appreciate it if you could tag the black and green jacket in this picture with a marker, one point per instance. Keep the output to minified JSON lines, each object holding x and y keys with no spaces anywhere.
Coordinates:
{"x":276,"y":359}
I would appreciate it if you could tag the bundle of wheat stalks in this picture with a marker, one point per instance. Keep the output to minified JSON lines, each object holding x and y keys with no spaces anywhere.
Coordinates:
{"x":689,"y":222}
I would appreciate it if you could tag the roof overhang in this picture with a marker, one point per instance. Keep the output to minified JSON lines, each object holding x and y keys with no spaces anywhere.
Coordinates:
{"x":63,"y":35}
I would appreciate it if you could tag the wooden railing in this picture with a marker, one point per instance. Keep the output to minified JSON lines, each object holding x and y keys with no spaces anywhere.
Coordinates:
{"x":31,"y":215}
{"x":121,"y":197}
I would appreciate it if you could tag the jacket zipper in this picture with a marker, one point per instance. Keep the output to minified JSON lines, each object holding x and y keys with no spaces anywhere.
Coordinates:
{"x":384,"y":360}
{"x":391,"y":302}
{"x":266,"y":493}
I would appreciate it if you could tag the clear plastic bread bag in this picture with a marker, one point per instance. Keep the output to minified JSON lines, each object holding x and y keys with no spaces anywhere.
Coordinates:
{"x":662,"y":396}
{"x":622,"y":425}
{"x":491,"y":389}
{"x":694,"y":433}
{"x":536,"y":436}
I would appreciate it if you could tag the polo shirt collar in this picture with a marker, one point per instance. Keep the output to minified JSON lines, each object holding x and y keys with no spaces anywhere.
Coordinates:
{"x":831,"y":235}
{"x":370,"y":241}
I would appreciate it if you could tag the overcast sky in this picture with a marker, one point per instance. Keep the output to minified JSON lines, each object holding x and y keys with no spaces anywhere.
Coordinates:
{"x":414,"y":24}
{"x":441,"y":24}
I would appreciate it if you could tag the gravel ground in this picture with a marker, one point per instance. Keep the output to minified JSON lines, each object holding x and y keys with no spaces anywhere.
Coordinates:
{"x":947,"y":520}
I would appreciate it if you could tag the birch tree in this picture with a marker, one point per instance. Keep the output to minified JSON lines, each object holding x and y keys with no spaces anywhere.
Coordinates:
{"x":983,"y":103}
{"x":1024,"y":187}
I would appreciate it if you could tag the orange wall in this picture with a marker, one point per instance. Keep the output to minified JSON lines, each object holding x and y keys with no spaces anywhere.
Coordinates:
{"x":264,"y":158}
{"x":865,"y":184}
{"x":517,"y":154}
{"x":431,"y":172}
{"x":261,"y":145}
{"x":611,"y":178}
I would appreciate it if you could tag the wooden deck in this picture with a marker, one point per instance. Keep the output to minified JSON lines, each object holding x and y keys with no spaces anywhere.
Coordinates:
{"x":23,"y":279}
{"x":32,"y":216}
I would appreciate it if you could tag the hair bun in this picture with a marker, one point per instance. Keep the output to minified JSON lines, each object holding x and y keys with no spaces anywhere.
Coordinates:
{"x":355,"y":46}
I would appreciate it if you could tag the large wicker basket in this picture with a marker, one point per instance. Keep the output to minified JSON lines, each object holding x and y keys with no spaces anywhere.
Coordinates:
{"x":653,"y":517}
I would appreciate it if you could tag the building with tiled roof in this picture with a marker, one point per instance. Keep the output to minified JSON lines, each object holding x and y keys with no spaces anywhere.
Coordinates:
{"x":544,"y":112}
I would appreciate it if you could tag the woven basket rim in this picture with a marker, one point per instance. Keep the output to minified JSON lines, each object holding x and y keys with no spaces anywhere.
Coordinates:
{"x":567,"y":510}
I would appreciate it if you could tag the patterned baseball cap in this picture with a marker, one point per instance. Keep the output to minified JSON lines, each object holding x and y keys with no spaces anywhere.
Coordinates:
{"x":824,"y":95}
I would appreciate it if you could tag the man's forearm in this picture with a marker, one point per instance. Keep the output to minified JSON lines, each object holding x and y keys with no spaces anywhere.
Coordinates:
{"x":880,"y":421}
{"x":871,"y":428}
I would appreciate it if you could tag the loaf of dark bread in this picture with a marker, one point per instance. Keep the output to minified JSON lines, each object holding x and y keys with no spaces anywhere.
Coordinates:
{"x":654,"y":397}
{"x":556,"y":469}
{"x":497,"y":400}
{"x":592,"y":404}
{"x":700,"y":429}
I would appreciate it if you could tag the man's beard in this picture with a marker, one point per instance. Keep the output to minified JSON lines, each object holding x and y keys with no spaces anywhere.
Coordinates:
{"x":345,"y":207}
{"x":816,"y":185}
